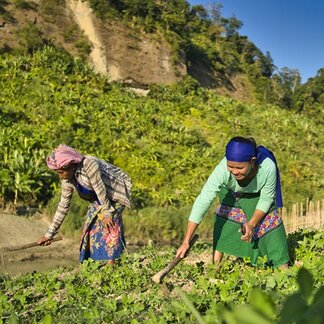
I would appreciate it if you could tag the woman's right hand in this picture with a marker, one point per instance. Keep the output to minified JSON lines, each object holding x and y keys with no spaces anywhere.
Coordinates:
{"x":108,"y":222}
{"x":182,"y":250}
{"x":184,"y":247}
{"x":44,"y":241}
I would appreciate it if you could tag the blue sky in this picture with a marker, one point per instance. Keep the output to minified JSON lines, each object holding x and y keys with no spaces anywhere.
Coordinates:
{"x":291,"y":30}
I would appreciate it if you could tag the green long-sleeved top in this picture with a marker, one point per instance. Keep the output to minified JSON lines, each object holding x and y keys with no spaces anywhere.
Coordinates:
{"x":264,"y":182}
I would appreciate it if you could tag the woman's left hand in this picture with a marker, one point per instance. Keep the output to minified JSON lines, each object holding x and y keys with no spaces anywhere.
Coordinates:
{"x":248,"y":229}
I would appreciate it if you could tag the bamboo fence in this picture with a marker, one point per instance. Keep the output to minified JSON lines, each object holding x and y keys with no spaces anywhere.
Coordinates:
{"x":304,"y":216}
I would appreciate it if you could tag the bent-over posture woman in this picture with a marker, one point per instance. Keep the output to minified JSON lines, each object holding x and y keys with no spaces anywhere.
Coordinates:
{"x":247,"y":223}
{"x":106,"y":187}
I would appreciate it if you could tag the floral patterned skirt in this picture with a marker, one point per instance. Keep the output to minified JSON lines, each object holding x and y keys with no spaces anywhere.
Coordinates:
{"x":97,"y":242}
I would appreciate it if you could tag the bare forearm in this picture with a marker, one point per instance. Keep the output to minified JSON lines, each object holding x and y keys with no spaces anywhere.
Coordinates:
{"x":257,"y":216}
{"x":191,"y":228}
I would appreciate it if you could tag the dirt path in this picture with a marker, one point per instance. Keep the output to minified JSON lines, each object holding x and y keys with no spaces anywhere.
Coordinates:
{"x":84,"y":16}
{"x":18,"y":230}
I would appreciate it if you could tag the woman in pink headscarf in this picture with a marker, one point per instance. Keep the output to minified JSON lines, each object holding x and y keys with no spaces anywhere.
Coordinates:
{"x":106,"y":187}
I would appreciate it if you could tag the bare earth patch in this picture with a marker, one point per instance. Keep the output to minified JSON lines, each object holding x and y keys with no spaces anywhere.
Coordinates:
{"x":18,"y":230}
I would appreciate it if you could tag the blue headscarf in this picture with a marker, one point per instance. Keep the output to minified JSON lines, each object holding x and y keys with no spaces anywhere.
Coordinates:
{"x":238,"y":151}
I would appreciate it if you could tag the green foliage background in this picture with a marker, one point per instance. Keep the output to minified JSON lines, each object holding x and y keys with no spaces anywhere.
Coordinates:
{"x":168,"y":142}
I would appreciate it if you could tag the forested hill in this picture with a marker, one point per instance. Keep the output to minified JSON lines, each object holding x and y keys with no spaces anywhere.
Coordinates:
{"x":147,"y":42}
{"x":168,"y":141}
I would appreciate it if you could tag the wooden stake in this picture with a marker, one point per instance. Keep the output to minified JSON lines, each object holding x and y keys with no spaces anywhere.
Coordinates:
{"x":158,"y":277}
{"x":2,"y":261}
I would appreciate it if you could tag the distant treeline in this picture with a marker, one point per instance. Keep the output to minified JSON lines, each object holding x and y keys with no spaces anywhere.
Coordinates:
{"x":215,"y":53}
{"x":208,"y":39}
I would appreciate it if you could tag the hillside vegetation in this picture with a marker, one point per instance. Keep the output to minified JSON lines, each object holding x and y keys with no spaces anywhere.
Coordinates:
{"x":168,"y":142}
{"x":147,"y":42}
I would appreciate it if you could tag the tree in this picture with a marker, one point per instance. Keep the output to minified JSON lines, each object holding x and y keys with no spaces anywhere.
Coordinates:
{"x":267,"y":65}
{"x":215,"y":13}
{"x":290,"y":78}
{"x":231,"y":25}
{"x":309,"y":97}
{"x":200,"y":12}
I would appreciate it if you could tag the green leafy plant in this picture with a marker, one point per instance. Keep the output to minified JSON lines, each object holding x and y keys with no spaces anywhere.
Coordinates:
{"x":168,"y":142}
{"x":238,"y":293}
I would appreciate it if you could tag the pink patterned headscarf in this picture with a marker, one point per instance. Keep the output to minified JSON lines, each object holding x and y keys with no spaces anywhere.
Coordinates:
{"x":63,"y":156}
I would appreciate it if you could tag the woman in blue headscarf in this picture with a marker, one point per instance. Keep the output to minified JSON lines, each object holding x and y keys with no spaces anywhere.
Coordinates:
{"x":247,"y":221}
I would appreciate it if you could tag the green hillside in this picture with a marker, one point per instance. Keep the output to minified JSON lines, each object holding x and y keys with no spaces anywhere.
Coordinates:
{"x":204,"y":45}
{"x":169,"y":141}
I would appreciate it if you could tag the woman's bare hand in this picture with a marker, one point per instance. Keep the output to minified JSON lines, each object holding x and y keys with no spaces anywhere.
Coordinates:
{"x":108,"y":222}
{"x":182,"y":250}
{"x":248,"y":232}
{"x":44,"y":241}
